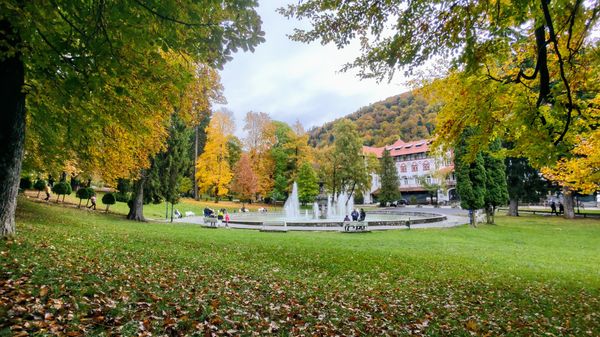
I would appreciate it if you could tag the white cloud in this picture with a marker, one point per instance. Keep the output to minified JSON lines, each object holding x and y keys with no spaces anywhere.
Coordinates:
{"x":293,"y":81}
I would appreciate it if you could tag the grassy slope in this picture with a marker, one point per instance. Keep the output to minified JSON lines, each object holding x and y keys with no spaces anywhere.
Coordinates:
{"x":157,"y":211}
{"x":525,"y":276}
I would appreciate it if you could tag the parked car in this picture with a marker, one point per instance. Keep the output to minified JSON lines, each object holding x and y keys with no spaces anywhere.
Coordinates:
{"x":401,"y":202}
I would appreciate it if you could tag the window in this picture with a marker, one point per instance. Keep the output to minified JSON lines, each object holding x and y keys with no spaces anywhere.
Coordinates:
{"x":405,"y":181}
{"x":403,"y":168}
{"x":426,"y":166}
{"x":428,"y":179}
{"x":415,"y":167}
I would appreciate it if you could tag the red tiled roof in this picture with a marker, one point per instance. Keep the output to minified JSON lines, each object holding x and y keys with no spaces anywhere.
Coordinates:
{"x":399,"y":148}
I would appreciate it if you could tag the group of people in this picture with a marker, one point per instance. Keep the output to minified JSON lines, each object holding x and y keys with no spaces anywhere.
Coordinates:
{"x":561,"y":208}
{"x":356,"y":215}
{"x":221,"y":215}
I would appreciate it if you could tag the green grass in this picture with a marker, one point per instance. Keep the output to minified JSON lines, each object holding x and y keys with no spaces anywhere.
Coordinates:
{"x":155,"y":211}
{"x":85,"y":273}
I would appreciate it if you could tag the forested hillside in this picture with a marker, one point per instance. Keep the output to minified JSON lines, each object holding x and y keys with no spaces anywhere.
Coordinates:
{"x":405,"y":116}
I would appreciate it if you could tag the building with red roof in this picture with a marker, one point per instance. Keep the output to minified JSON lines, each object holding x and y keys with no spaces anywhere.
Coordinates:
{"x":415,"y":162}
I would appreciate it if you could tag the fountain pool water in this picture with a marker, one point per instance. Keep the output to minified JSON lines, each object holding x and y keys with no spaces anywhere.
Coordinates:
{"x":331,"y":217}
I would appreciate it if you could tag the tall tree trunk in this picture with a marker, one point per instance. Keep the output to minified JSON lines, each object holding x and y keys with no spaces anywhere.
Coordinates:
{"x":12,"y":126}
{"x":196,"y":195}
{"x":568,"y":203}
{"x":472,"y":218}
{"x":136,"y":210}
{"x":513,"y":207}
{"x":171,"y":211}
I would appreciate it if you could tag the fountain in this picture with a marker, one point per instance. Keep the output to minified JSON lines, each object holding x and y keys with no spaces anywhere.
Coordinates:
{"x":328,"y":214}
{"x":292,"y":205}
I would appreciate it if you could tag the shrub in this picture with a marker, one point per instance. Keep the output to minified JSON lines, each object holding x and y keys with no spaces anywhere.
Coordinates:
{"x":61,"y":188}
{"x":25,"y":183}
{"x":39,"y":186}
{"x":122,"y":196}
{"x":109,"y":199}
{"x":84,"y":193}
{"x":413,"y":200}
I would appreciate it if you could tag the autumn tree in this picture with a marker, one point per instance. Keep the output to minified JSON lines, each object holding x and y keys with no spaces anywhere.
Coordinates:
{"x":245,"y":181}
{"x":308,"y":185}
{"x":260,"y":136}
{"x":389,"y":190}
{"x":521,"y":71}
{"x":212,"y":168}
{"x":83,"y":66}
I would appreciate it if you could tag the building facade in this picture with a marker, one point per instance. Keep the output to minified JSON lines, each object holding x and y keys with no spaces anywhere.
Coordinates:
{"x":415,"y":163}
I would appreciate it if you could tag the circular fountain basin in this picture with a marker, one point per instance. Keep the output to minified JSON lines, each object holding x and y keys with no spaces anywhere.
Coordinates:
{"x":374,"y":218}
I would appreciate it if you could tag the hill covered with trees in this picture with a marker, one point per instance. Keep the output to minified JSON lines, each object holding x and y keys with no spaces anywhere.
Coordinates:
{"x":408,"y":116}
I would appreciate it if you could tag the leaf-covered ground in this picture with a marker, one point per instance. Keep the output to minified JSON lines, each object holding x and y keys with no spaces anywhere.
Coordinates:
{"x":74,"y":273}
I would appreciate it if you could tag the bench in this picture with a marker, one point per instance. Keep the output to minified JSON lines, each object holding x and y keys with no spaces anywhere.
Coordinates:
{"x":210,"y":222}
{"x":274,"y":226}
{"x":355,"y":227}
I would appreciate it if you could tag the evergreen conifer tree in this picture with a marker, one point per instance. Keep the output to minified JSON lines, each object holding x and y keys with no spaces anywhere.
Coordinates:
{"x":389,"y":180}
{"x":495,"y":183}
{"x":470,"y":178}
{"x":525,"y":184}
{"x":308,"y":186}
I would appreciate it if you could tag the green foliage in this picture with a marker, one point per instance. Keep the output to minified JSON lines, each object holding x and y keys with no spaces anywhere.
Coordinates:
{"x":171,"y":166}
{"x":25,"y":183}
{"x":234,"y":148}
{"x":525,"y":184}
{"x":345,"y":166}
{"x":408,"y":116}
{"x":282,"y":154}
{"x":109,"y":199}
{"x":420,"y":270}
{"x":495,"y":183}
{"x":470,"y":176}
{"x":85,"y":193}
{"x":61,"y":188}
{"x":39,"y":185}
{"x":308,"y":186}
{"x":390,"y":183}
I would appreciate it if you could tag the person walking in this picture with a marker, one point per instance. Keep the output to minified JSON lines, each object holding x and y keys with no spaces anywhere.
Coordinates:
{"x":227,"y":219}
{"x":47,"y":190}
{"x":561,"y":208}
{"x":553,"y":208}
{"x":93,"y":200}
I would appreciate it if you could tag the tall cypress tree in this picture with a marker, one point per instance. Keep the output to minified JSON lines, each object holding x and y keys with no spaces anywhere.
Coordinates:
{"x":389,"y":180}
{"x":496,"y":192}
{"x":470,"y":177}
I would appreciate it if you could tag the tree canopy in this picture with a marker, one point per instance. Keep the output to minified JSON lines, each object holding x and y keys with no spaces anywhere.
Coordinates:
{"x":522,"y":71}
{"x":93,"y":74}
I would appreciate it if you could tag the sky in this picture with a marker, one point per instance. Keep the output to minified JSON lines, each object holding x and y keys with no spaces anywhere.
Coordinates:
{"x":295,"y":81}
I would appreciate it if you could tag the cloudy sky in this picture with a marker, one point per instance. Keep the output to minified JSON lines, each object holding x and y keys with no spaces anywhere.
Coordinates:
{"x":294,"y":81}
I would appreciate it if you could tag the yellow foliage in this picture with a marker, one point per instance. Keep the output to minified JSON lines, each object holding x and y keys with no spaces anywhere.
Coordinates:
{"x":212,"y":168}
{"x":582,"y":172}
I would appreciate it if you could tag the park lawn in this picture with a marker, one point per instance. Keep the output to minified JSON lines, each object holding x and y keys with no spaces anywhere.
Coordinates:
{"x":155,"y":211}
{"x":83,"y":273}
